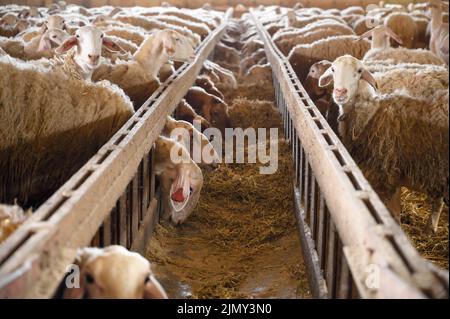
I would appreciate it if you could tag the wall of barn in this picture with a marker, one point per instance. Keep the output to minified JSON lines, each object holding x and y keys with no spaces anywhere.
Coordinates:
{"x":220,"y":4}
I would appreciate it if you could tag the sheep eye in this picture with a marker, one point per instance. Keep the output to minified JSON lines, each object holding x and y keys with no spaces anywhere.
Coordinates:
{"x":147,"y":279}
{"x":360,"y":71}
{"x":78,"y":36}
{"x":102,"y":36}
{"x":89,"y":279}
{"x":332,"y":69}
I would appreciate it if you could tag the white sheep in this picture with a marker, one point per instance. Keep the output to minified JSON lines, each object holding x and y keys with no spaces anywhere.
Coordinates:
{"x":181,"y":179}
{"x":397,"y":140}
{"x":114,"y":272}
{"x":439,"y":32}
{"x":75,"y":117}
{"x":139,"y":76}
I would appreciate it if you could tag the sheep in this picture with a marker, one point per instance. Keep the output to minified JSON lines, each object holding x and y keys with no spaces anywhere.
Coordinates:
{"x":180,"y":178}
{"x":114,"y":272}
{"x":353,"y":10}
{"x":323,"y":24}
{"x":130,"y":33}
{"x":152,"y":24}
{"x":139,"y":76}
{"x":37,"y":48}
{"x":286,"y":45}
{"x":226,"y":54}
{"x":303,"y":22}
{"x":212,"y":108}
{"x":198,"y":28}
{"x":88,"y":42}
{"x":361,"y":25}
{"x":11,"y":217}
{"x":205,"y":83}
{"x":251,"y":46}
{"x":219,"y":75}
{"x":253,"y":59}
{"x":396,"y":140}
{"x":439,"y":32}
{"x":186,"y":113}
{"x":195,"y":142}
{"x":258,"y":74}
{"x":76,"y":117}
{"x":422,"y":39}
{"x":381,"y":36}
{"x":305,"y":55}
{"x":403,"y":55}
{"x":404,"y":26}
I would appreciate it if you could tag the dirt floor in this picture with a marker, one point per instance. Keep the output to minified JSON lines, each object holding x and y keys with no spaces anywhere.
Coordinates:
{"x":242,"y":240}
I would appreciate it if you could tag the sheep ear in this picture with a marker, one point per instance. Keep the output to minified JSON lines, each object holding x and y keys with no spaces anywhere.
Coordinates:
{"x":44,"y":43}
{"x":67,"y":45}
{"x":326,"y":78}
{"x":153,"y":289}
{"x":367,"y":34}
{"x":393,"y":35}
{"x":368,"y":77}
{"x":111,"y":46}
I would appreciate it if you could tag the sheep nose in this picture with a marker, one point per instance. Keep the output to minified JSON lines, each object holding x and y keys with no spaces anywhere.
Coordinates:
{"x":339,"y":92}
{"x":93,"y":57}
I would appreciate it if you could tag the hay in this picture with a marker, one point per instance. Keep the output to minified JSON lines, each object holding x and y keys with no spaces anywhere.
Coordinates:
{"x":243,"y":232}
{"x":414,"y":216}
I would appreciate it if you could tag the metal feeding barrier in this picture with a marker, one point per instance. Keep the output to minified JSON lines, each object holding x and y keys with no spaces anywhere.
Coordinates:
{"x":112,"y":199}
{"x":352,"y":246}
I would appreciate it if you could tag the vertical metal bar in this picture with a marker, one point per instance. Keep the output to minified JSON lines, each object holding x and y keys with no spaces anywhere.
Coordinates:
{"x":115,"y":225}
{"x":321,"y":228}
{"x":152,"y":178}
{"x":331,"y":260}
{"x":145,"y":185}
{"x":123,"y":219}
{"x":312,"y":205}
{"x":106,"y":233}
{"x":129,"y":209}
{"x":345,"y":284}
{"x":135,"y":207}
{"x":306,"y":186}
{"x":301,"y":169}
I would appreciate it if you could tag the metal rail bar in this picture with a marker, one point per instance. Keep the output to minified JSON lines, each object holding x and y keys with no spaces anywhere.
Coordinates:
{"x":110,"y":200}
{"x":349,"y":238}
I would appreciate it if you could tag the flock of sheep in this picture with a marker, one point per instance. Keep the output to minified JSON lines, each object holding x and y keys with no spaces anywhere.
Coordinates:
{"x":388,"y":98}
{"x":72,"y":76}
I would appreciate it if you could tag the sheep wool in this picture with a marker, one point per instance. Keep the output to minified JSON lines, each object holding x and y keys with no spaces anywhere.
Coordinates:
{"x":51,"y":125}
{"x":403,"y":55}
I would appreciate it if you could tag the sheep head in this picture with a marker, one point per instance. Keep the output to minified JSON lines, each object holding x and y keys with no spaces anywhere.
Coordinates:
{"x":346,"y":72}
{"x":114,"y":273}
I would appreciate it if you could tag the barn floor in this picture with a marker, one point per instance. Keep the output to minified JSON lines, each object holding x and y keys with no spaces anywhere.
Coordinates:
{"x":242,"y":240}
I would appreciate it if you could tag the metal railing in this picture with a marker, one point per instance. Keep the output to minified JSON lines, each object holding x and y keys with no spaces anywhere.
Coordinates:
{"x":112,"y":199}
{"x":351,"y":245}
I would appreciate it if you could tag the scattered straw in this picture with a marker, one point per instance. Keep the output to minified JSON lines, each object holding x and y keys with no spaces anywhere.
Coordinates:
{"x":416,"y":208}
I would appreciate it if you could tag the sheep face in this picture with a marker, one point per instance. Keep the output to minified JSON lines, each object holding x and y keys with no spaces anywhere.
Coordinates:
{"x":8,"y":19}
{"x":53,"y":22}
{"x":181,"y":179}
{"x":213,"y":109}
{"x":312,"y":79}
{"x":381,"y":36}
{"x":178,"y":47}
{"x":88,"y":41}
{"x":346,"y":72}
{"x":114,"y":273}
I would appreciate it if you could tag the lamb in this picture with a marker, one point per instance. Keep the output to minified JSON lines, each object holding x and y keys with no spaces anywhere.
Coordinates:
{"x":353,"y":10}
{"x":403,"y":55}
{"x":181,"y":179}
{"x":381,"y":36}
{"x":251,"y":60}
{"x":396,"y":140}
{"x":226,"y":54}
{"x":186,"y":113}
{"x":303,"y":22}
{"x":439,"y":32}
{"x":303,"y":56}
{"x":251,"y":46}
{"x":213,"y":109}
{"x":73,"y":113}
{"x":404,"y":26}
{"x":114,"y":272}
{"x":198,"y":28}
{"x":139,"y":76}
{"x":130,"y":33}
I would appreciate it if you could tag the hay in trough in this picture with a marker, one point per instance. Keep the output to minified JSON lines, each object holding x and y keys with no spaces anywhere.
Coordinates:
{"x":416,"y":209}
{"x":242,"y":240}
